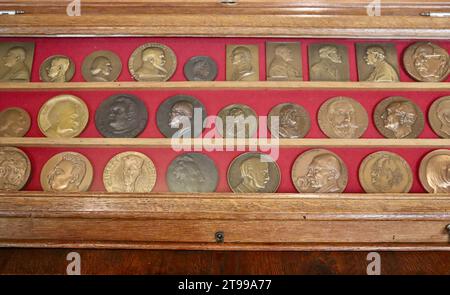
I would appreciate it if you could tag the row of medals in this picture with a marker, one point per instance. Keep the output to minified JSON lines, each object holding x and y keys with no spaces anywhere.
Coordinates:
{"x":314,"y":171}
{"x":126,"y":116}
{"x":377,"y":62}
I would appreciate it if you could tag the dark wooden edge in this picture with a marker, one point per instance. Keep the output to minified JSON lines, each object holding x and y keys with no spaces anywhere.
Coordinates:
{"x":226,"y":246}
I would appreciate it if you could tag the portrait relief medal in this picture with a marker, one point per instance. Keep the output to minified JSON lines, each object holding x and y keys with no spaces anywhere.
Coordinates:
{"x":15,"y":169}
{"x":434,"y":171}
{"x":385,"y":172}
{"x":129,"y":172}
{"x":253,"y":172}
{"x":16,"y":60}
{"x":58,"y":69}
{"x":152,"y":62}
{"x":319,"y":171}
{"x":67,"y":172}
{"x":63,"y":116}
{"x":427,"y":62}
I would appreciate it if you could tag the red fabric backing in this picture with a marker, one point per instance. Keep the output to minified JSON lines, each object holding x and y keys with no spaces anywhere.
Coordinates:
{"x":214,"y":100}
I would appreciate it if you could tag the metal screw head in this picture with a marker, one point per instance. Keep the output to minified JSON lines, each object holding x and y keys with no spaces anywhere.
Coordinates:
{"x":220,"y":237}
{"x":448,"y":228}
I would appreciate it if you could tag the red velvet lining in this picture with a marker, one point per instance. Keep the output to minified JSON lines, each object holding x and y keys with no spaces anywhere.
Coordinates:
{"x":214,"y":100}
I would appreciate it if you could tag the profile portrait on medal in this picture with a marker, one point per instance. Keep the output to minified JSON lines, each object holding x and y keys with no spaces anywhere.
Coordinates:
{"x":283,"y":60}
{"x":438,"y":173}
{"x":289,"y":122}
{"x":63,"y":116}
{"x":188,"y":174}
{"x":385,"y":173}
{"x":293,"y":121}
{"x":439,"y":116}
{"x":399,"y":117}
{"x":236,"y":121}
{"x":57,"y":69}
{"x":152,"y":62}
{"x":323,"y":174}
{"x":14,"y":122}
{"x":254,"y":175}
{"x":430,"y":62}
{"x":377,"y":62}
{"x":129,"y":172}
{"x":238,"y":124}
{"x":16,"y":61}
{"x":121,"y":116}
{"x":180,"y":116}
{"x":14,"y":169}
{"x":68,"y":174}
{"x":328,"y":62}
{"x":242,"y":63}
{"x":101,"y":69}
{"x":200,"y":68}
{"x":443,"y":113}
{"x":132,"y":170}
{"x":101,"y":66}
{"x":63,"y":119}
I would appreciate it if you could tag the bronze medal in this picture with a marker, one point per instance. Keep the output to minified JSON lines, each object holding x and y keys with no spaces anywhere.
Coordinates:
{"x":343,"y":117}
{"x":283,"y":61}
{"x":439,"y":116}
{"x":152,"y":62}
{"x":63,"y":116}
{"x":398,"y":117}
{"x":101,"y":66}
{"x":67,"y":172}
{"x":427,"y":62}
{"x":129,"y":172}
{"x":253,"y":173}
{"x":293,"y":121}
{"x":328,"y":62}
{"x":15,"y":169}
{"x":16,"y":61}
{"x":237,"y":121}
{"x":319,"y":171}
{"x":385,"y":172}
{"x":58,"y":69}
{"x":14,"y":122}
{"x":242,"y":63}
{"x":377,"y":62}
{"x":434,"y":171}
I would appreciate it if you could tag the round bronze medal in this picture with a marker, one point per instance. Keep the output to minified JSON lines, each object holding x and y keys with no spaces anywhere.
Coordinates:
{"x":67,"y":172}
{"x":253,"y":173}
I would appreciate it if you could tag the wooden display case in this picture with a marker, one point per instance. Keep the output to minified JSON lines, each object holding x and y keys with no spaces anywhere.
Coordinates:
{"x":226,"y":221}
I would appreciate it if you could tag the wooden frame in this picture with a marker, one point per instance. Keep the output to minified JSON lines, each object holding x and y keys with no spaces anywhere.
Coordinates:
{"x":249,"y":222}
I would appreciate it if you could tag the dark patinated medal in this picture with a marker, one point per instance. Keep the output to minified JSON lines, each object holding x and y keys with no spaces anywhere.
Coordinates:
{"x":121,"y":115}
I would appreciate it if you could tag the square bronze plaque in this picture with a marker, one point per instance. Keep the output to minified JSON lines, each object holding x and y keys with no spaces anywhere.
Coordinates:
{"x":328,"y":62}
{"x":377,"y":62}
{"x":16,"y":60}
{"x":283,"y":61}
{"x":242,"y":63}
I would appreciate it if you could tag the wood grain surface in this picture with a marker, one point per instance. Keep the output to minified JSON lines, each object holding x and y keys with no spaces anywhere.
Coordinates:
{"x":53,"y":261}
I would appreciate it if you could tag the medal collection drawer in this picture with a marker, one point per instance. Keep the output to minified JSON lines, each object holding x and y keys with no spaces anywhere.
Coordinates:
{"x":359,"y":141}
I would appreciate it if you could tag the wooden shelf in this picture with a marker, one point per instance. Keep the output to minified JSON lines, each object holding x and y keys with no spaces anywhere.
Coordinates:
{"x":248,"y":221}
{"x":220,"y":85}
{"x":219,"y":143}
{"x":244,"y":24}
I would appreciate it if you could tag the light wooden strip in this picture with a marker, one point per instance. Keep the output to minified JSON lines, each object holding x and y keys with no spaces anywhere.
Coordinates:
{"x":220,"y":85}
{"x":218,"y":144}
{"x":213,"y":25}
